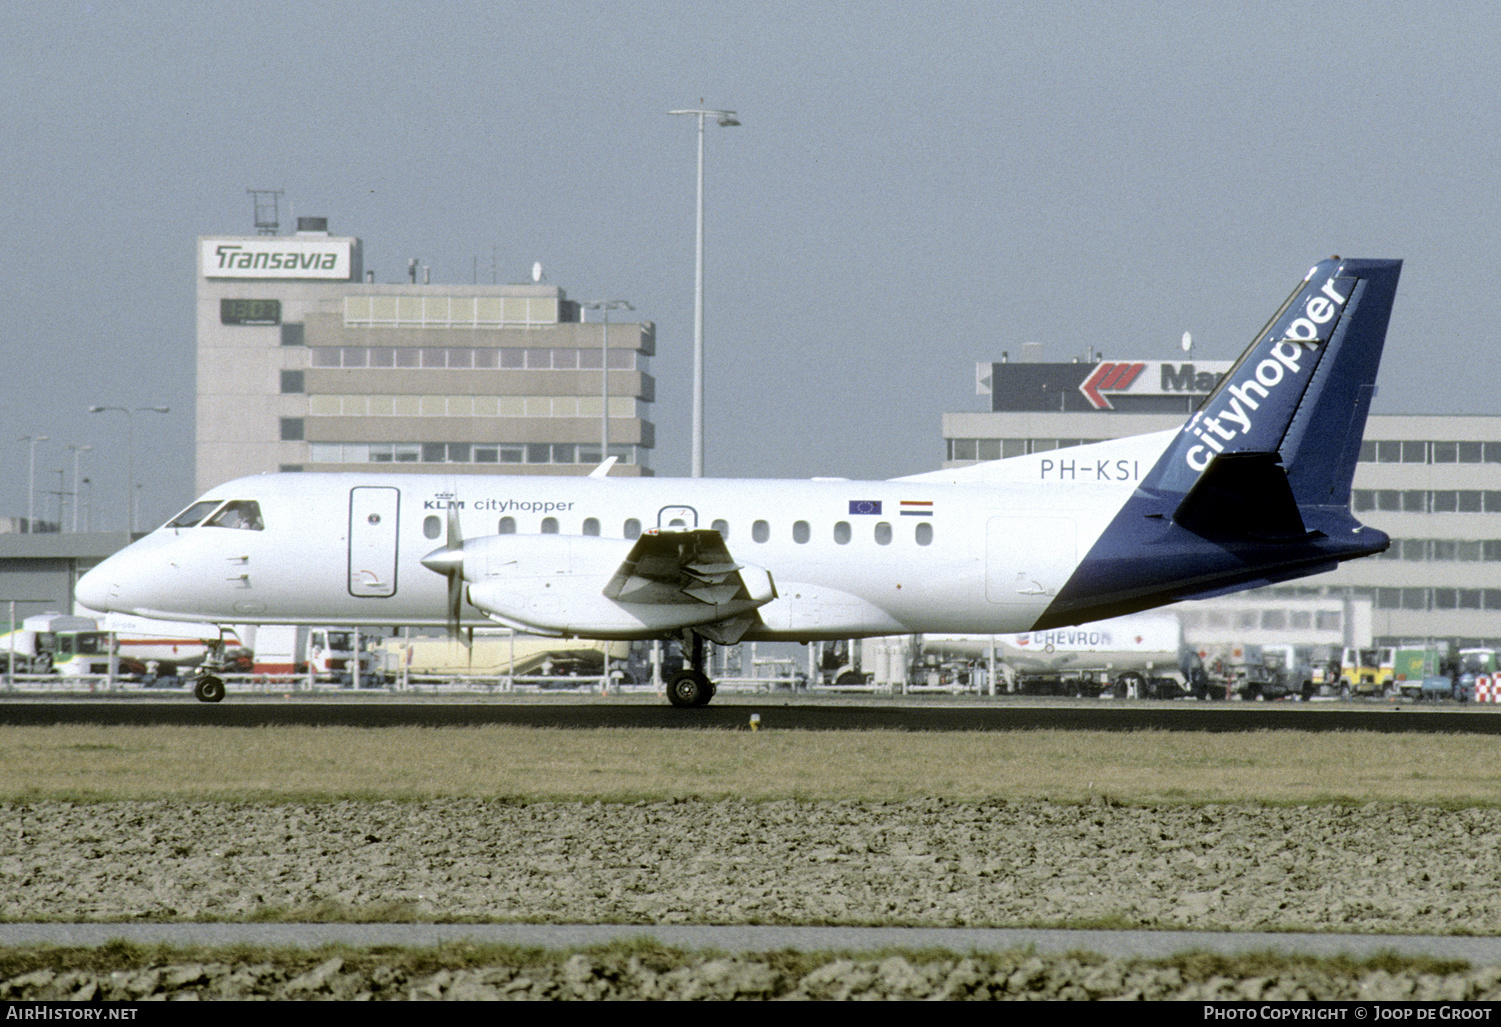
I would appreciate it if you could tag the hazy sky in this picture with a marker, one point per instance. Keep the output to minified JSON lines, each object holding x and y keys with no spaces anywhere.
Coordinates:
{"x":915,"y":187}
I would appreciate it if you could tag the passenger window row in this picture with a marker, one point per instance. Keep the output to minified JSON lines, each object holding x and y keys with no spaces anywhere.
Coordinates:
{"x":802,"y":532}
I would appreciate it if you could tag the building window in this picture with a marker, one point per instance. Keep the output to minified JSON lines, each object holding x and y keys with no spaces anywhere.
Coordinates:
{"x":292,"y":335}
{"x":292,"y":383}
{"x":291,"y":429}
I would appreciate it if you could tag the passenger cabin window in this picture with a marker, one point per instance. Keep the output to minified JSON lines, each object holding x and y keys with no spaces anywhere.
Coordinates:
{"x":549,"y":525}
{"x":239,"y":513}
{"x":760,"y":531}
{"x":507,"y":526}
{"x":723,"y":527}
{"x":924,"y":534}
{"x":883,"y":533}
{"x":194,"y":514}
{"x":591,"y":525}
{"x":632,"y":528}
{"x":842,"y":533}
{"x":432,"y":526}
{"x":801,"y":533}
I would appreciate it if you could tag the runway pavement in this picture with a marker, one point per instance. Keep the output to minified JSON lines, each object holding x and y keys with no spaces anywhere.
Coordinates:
{"x":734,"y":713}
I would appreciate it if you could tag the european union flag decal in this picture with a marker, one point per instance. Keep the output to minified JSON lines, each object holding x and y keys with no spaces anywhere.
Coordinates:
{"x":864,"y":506}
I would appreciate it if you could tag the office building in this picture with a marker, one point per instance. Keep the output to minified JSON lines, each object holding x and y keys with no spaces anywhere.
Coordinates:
{"x":305,"y":362}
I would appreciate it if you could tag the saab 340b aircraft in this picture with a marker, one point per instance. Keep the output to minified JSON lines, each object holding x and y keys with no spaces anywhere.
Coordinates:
{"x":1253,"y":489}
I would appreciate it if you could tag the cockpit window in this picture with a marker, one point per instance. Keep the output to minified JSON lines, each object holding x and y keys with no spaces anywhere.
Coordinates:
{"x":238,"y":513}
{"x":194,"y":514}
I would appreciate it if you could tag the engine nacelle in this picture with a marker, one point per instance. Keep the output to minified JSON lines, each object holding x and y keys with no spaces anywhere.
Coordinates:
{"x":557,"y":584}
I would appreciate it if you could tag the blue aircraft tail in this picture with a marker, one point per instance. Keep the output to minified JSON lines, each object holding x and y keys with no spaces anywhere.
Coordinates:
{"x":1256,"y":487}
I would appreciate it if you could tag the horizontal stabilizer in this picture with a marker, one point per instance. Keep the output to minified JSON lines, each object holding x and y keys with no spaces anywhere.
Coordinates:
{"x":1242,"y":495}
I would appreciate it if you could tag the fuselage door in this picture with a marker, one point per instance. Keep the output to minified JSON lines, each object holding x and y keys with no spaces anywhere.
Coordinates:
{"x":677,"y":518}
{"x":373,"y":517}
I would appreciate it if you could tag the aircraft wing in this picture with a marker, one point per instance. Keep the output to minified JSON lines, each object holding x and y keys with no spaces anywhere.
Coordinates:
{"x":686,"y":567}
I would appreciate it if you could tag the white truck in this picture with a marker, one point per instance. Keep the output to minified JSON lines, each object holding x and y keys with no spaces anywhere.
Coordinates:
{"x":321,"y":654}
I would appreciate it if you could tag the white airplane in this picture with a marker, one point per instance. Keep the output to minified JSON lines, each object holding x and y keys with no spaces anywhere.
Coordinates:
{"x":1253,"y":489}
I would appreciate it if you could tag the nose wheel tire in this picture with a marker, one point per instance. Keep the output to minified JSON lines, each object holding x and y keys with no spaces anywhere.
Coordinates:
{"x":209,"y":689}
{"x":689,"y":688}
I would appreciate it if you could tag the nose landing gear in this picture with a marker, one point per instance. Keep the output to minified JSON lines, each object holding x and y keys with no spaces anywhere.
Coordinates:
{"x":208,"y":688}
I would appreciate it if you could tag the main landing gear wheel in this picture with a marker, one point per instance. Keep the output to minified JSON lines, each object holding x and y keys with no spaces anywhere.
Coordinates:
{"x":209,"y":689}
{"x":689,"y":688}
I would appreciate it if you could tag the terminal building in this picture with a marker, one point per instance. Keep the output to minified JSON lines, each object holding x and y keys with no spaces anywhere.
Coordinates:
{"x":306,"y":363}
{"x":1432,"y":482}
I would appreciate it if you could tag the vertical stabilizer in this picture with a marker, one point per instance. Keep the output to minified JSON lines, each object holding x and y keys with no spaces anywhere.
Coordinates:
{"x":1301,"y":390}
{"x":1255,"y":488}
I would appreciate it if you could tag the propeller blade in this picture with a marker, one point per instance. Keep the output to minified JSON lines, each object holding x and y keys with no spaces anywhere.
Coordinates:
{"x":449,"y":562}
{"x":455,"y":574}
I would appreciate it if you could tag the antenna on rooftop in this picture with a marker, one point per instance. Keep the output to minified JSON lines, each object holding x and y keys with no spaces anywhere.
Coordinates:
{"x":266,"y":215}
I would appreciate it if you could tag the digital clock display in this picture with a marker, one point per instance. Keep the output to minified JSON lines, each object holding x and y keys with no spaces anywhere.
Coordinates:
{"x":250,"y":312}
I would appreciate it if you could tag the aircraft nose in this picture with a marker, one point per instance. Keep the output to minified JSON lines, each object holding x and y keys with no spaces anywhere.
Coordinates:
{"x":98,"y":587}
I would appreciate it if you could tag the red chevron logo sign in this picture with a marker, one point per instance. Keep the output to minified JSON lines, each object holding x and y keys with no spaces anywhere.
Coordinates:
{"x":1109,"y":377}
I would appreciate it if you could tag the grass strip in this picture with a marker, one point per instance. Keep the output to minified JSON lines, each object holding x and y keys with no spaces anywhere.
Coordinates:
{"x":88,"y":763}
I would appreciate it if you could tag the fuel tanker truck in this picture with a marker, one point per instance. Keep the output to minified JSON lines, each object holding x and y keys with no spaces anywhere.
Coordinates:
{"x":1137,"y":656}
